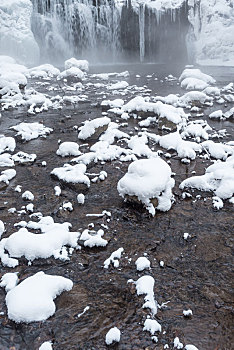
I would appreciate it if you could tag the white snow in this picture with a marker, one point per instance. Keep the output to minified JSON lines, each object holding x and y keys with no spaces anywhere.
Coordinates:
{"x":9,"y":280}
{"x":27,"y":195}
{"x":32,"y":299}
{"x":6,"y":160}
{"x":196,"y":74}
{"x":68,"y":149}
{"x":190,"y":347}
{"x":7,"y":175}
{"x":46,"y":346}
{"x":148,"y":179}
{"x":113,"y":335}
{"x":72,"y":72}
{"x":2,"y":228}
{"x":187,"y":313}
{"x":152,"y":326}
{"x":49,"y":242}
{"x":44,"y":71}
{"x":114,"y":258}
{"x":193,"y":84}
{"x":30,"y":131}
{"x":219,"y":178}
{"x":145,"y":285}
{"x":89,"y":128}
{"x":177,"y":343}
{"x":73,"y":62}
{"x":142,"y":263}
{"x":93,"y":239}
{"x":72,"y":174}
{"x":7,"y":144}
{"x":16,"y":37}
{"x":81,"y":198}
{"x":57,"y":191}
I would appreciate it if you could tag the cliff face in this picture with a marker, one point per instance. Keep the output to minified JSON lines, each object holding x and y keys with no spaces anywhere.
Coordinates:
{"x":211,"y":38}
{"x":16,"y":37}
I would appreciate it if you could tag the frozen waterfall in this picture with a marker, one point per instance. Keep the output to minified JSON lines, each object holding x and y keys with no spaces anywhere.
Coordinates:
{"x":108,"y":30}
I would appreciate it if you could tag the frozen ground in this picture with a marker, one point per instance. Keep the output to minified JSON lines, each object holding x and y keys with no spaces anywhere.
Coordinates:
{"x":180,"y":294}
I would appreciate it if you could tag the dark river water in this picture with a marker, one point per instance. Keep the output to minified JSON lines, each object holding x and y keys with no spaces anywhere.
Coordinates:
{"x":197,"y":274}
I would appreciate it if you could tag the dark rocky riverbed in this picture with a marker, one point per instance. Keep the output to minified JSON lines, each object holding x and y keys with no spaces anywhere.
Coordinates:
{"x":197,"y":274}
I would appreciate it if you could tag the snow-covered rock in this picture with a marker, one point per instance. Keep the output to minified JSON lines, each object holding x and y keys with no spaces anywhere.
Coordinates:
{"x":7,"y":144}
{"x":91,"y":127}
{"x":73,"y":62}
{"x":218,"y":178}
{"x":150,"y":182}
{"x":44,"y":71}
{"x":9,"y":280}
{"x":46,"y":346}
{"x":93,"y":239}
{"x":145,"y":285}
{"x":74,"y":174}
{"x":32,"y":299}
{"x":68,"y":149}
{"x":152,"y":326}
{"x":30,"y":131}
{"x":114,"y":258}
{"x":72,"y":73}
{"x":113,"y":336}
{"x":142,"y":263}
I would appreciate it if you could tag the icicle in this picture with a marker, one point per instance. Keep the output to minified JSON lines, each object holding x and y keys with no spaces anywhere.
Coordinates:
{"x":142,"y":31}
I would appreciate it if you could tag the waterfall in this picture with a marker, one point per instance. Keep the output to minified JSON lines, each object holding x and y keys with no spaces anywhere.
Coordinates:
{"x":82,"y":28}
{"x":109,"y":30}
{"x":142,"y":31}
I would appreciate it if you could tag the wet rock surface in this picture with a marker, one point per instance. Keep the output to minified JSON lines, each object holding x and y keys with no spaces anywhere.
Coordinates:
{"x":197,"y":272}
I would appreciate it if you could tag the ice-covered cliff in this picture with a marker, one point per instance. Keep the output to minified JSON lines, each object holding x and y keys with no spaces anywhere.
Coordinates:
{"x":16,"y":37}
{"x":212,"y":31}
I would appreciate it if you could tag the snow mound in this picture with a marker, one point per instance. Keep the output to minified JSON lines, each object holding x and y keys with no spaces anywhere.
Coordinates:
{"x":34,"y":245}
{"x":46,"y":346}
{"x":145,"y":285}
{"x":72,"y":174}
{"x":72,"y":72}
{"x":7,"y":175}
{"x":44,"y":71}
{"x":9,"y":281}
{"x":68,"y":149}
{"x":30,"y":131}
{"x":142,"y":263}
{"x":73,"y":62}
{"x":196,"y":74}
{"x":90,"y":127}
{"x":7,"y":144}
{"x":193,"y":84}
{"x":114,"y":258}
{"x":218,"y":178}
{"x":148,"y":179}
{"x":32,"y":299}
{"x":113,"y":335}
{"x":152,"y":326}
{"x":93,"y":239}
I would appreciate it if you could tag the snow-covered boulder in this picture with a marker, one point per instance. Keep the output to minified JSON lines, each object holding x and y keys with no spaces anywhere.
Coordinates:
{"x":72,"y":74}
{"x":73,"y":62}
{"x":93,"y":128}
{"x":193,"y":84}
{"x":149,"y":182}
{"x":113,"y":336}
{"x":16,"y":37}
{"x":72,"y":174}
{"x":30,"y":131}
{"x":196,"y":74}
{"x":32,"y":299}
{"x":218,"y":178}
{"x":43,"y":71}
{"x":68,"y":149}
